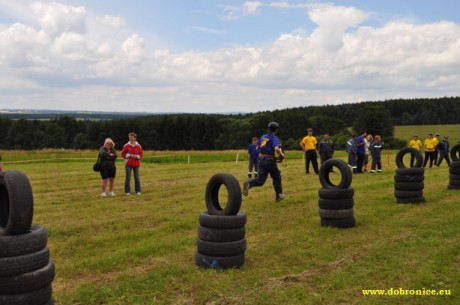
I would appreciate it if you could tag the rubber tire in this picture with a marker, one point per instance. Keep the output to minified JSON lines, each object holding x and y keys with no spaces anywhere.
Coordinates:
{"x":16,"y":203}
{"x":411,"y":200}
{"x":337,"y":214}
{"x":409,"y":178}
{"x":222,"y":222}
{"x":454,"y":170}
{"x":232,"y":248}
{"x":220,"y":235}
{"x":454,"y":152}
{"x":11,"y":266}
{"x":453,"y":187}
{"x":37,"y":297}
{"x":344,"y":169}
{"x":336,"y":204}
{"x":22,"y":244}
{"x":408,"y":194}
{"x":415,"y":152}
{"x":409,"y":186}
{"x":336,"y":193}
{"x":454,"y":182}
{"x":212,"y":195}
{"x":410,"y":171}
{"x":214,"y":262}
{"x":455,"y":164}
{"x":454,"y":177}
{"x":338,"y":223}
{"x":29,"y":281}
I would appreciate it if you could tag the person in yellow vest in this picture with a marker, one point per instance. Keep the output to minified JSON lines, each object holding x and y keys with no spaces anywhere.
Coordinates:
{"x":436,"y":152}
{"x":430,"y":146}
{"x":414,"y":143}
{"x":308,"y":145}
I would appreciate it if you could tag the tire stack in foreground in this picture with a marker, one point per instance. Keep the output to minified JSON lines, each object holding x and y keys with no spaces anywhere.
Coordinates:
{"x":409,"y":180}
{"x":221,"y":233}
{"x":454,"y":169}
{"x":26,"y":272}
{"x":336,"y":203}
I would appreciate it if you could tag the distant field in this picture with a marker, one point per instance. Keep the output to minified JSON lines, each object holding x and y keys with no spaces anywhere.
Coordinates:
{"x":406,"y":132}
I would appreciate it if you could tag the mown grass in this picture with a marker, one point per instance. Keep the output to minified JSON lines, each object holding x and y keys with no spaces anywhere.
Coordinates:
{"x":407,"y":132}
{"x":140,"y":249}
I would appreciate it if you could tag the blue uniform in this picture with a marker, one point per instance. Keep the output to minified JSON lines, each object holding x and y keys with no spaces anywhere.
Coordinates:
{"x":253,"y":160}
{"x":267,"y":144}
{"x":351,"y":150}
{"x":360,"y":151}
{"x":253,"y":152}
{"x":376,"y":152}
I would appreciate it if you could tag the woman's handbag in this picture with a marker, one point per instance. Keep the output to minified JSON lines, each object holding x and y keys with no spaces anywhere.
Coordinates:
{"x":97,"y":165}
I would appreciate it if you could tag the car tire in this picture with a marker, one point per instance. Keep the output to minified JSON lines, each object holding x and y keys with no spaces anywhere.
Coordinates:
{"x":415,"y":152}
{"x":455,"y":164}
{"x":336,"y":193}
{"x":410,"y":171}
{"x":325,"y":171}
{"x":216,"y":262}
{"x":338,"y":223}
{"x":454,"y":153}
{"x":409,"y":178}
{"x":336,"y":204}
{"x":33,"y":241}
{"x":37,"y":297}
{"x":212,"y":195}
{"x":454,"y":170}
{"x":220,"y":235}
{"x":408,"y":194}
{"x":29,"y":281}
{"x":15,"y":265}
{"x":221,"y":249}
{"x":409,"y":186}
{"x":222,"y":222}
{"x":336,"y":214}
{"x":411,"y":200}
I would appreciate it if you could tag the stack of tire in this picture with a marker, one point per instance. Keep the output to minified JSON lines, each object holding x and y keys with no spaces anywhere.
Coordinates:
{"x":454,"y":169}
{"x":336,"y":202}
{"x":26,"y":272}
{"x":221,"y":232}
{"x":409,"y":180}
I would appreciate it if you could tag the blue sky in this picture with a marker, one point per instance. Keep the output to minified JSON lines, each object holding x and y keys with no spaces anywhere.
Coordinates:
{"x":224,"y":56}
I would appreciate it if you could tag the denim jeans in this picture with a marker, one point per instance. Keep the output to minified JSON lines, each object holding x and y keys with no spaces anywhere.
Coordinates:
{"x":137,"y":182}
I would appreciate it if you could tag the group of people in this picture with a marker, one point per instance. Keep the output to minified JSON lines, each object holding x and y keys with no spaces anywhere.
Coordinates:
{"x":436,"y":150}
{"x":360,"y":147}
{"x":131,"y":153}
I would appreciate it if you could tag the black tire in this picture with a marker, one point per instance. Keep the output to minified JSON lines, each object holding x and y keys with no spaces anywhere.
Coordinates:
{"x":212,"y":195}
{"x":22,"y":244}
{"x":409,"y":178}
{"x":336,"y":193}
{"x":454,"y":152}
{"x":454,"y":170}
{"x":410,"y":171}
{"x":222,"y":222}
{"x":454,"y":177}
{"x":453,"y":187}
{"x":406,"y":150}
{"x":454,"y":182}
{"x":325,"y":171}
{"x":408,"y":194}
{"x":29,"y":281}
{"x":214,"y":262}
{"x":37,"y":297}
{"x":336,"y":214}
{"x":455,"y":164}
{"x":220,"y":235}
{"x":411,"y":200}
{"x":16,"y":203}
{"x":336,"y":204}
{"x":409,"y":186}
{"x":10,"y":266}
{"x":338,"y":223}
{"x":232,"y":248}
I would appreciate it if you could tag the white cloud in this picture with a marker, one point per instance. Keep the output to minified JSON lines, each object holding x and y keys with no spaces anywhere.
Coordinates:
{"x":112,"y":21}
{"x":205,"y":30}
{"x":236,"y":12}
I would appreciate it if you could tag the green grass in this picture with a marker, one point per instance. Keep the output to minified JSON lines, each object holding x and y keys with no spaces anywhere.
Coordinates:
{"x":140,"y":249}
{"x":407,"y":132}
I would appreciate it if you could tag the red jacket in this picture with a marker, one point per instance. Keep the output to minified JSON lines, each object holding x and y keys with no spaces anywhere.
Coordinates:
{"x":132,"y":154}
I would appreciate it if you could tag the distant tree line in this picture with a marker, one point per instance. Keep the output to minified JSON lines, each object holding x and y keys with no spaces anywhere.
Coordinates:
{"x":216,"y":131}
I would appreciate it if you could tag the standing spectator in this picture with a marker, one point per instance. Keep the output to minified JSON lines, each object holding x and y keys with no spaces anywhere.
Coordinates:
{"x":268,"y":145}
{"x":308,"y":145}
{"x":436,"y":152}
{"x":351,"y":150}
{"x":107,"y":157}
{"x":443,"y":148}
{"x":253,"y":152}
{"x":376,"y":151}
{"x":326,"y":148}
{"x":360,"y":151}
{"x":430,"y":146}
{"x":414,"y":143}
{"x":367,"y":142}
{"x":132,"y":153}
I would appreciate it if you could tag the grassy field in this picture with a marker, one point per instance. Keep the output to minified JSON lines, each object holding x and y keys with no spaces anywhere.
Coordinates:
{"x":140,"y":249}
{"x":406,"y":132}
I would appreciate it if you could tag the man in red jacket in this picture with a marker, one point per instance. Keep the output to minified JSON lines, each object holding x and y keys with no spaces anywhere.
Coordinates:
{"x":132,"y":153}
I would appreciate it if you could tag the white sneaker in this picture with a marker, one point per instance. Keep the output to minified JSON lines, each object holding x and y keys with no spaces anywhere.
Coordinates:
{"x":112,"y":194}
{"x":127,"y":194}
{"x":104,"y":194}
{"x":138,"y":193}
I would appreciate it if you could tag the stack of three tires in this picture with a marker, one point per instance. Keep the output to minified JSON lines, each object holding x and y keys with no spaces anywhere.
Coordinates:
{"x":26,"y":272}
{"x":336,"y":202}
{"x":221,"y":232}
{"x":409,"y":183}
{"x":454,"y":168}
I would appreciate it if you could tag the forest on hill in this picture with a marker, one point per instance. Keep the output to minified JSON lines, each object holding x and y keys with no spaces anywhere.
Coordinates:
{"x":221,"y":131}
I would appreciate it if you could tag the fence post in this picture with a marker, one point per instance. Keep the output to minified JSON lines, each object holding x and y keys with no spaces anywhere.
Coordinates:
{"x":237,"y":156}
{"x":188,"y":161}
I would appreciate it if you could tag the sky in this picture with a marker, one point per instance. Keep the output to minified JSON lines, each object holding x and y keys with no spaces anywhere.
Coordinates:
{"x":216,"y":56}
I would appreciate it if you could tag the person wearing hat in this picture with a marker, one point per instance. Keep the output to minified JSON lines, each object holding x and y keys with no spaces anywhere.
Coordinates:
{"x":443,"y":148}
{"x":436,"y":152}
{"x":268,"y":144}
{"x":325,"y":148}
{"x":414,"y":143}
{"x":308,"y":145}
{"x":430,"y":146}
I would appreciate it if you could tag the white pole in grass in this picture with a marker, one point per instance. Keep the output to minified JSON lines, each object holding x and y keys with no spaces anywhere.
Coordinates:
{"x":237,"y":156}
{"x":188,"y":162}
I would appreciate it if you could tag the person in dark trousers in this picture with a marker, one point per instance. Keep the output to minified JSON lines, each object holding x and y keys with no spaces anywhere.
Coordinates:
{"x":325,"y":148}
{"x":132,"y":153}
{"x":309,"y":146}
{"x":414,"y":143}
{"x":430,"y":146}
{"x":443,"y":148}
{"x":376,"y":152}
{"x":108,"y":155}
{"x":436,"y":151}
{"x":253,"y":152}
{"x":351,"y":150}
{"x":360,"y":149}
{"x":268,"y":144}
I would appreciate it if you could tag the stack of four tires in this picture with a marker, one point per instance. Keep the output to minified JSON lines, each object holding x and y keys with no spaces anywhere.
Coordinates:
{"x":409,"y":183}
{"x":454,"y":168}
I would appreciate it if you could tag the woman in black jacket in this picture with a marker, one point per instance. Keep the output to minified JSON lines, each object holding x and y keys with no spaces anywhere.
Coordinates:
{"x":108,"y":155}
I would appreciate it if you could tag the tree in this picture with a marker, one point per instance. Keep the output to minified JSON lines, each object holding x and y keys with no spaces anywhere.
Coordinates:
{"x":375,"y":120}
